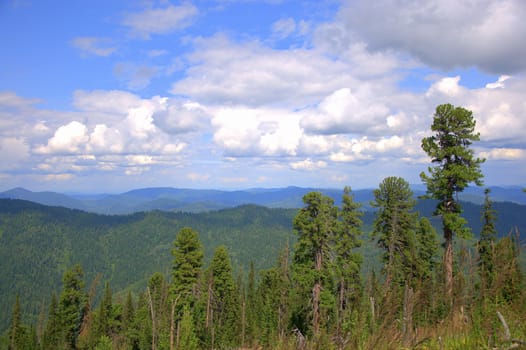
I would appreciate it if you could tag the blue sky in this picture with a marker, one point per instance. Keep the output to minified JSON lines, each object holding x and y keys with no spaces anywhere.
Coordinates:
{"x":107,"y":96}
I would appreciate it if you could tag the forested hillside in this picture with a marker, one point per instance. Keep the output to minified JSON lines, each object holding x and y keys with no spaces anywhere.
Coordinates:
{"x":39,"y":243}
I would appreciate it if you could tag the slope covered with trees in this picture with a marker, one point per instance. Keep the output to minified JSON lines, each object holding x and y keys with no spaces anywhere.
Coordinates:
{"x":38,"y":244}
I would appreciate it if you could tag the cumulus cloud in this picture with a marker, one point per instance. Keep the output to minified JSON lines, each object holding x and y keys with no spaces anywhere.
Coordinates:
{"x":222,"y":71}
{"x":94,"y":46}
{"x":160,"y":20}
{"x":242,"y":131}
{"x":176,"y":117}
{"x":69,"y":138}
{"x":445,"y":34}
{"x":346,"y":112}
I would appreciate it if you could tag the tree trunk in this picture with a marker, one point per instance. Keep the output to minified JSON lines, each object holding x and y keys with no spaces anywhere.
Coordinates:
{"x":172,"y":325}
{"x":448,"y":264}
{"x":407,"y":322}
{"x":316,"y":291}
{"x":152,"y":312}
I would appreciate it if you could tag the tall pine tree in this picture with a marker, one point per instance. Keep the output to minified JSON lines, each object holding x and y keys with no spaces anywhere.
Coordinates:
{"x":455,"y":167}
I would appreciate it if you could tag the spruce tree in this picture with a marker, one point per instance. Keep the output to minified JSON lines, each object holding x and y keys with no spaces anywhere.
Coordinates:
{"x":71,"y":303}
{"x":188,"y":260}
{"x":486,"y":243}
{"x":17,"y":331}
{"x":224,"y":301}
{"x":394,"y":226}
{"x":187,"y":340}
{"x":455,"y":167}
{"x":348,"y":262}
{"x":316,"y":226}
{"x":52,"y":333}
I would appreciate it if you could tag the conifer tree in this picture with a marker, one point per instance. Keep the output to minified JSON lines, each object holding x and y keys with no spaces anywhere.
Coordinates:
{"x":17,"y":331}
{"x":187,"y":340}
{"x":71,"y":303}
{"x":52,"y":333}
{"x":455,"y":167}
{"x":486,"y":244}
{"x":427,"y":249}
{"x":188,"y":260}
{"x":316,"y":225}
{"x":394,"y":225}
{"x":225,"y":303}
{"x":105,"y":313}
{"x":348,"y":261}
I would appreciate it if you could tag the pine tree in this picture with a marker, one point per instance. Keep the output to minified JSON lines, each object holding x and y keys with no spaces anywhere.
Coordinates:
{"x":348,"y":261}
{"x":224,"y":300}
{"x":273,"y":295}
{"x":427,"y":249}
{"x":316,"y":225}
{"x":187,"y":264}
{"x":71,"y":303}
{"x":486,"y":244}
{"x":52,"y":333}
{"x":105,"y":313}
{"x":455,"y":168}
{"x":17,"y":331}
{"x":394,"y":225}
{"x":188,"y":340}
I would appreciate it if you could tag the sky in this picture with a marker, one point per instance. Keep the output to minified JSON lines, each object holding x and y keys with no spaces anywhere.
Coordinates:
{"x":106,"y":96}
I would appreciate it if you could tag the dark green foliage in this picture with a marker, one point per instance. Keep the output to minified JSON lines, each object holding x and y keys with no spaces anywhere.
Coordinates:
{"x":188,"y":339}
{"x":274,"y":301}
{"x":18,"y":337}
{"x":395,"y":228}
{"x":273,"y":308}
{"x":38,"y":244}
{"x":427,"y":247}
{"x":316,"y":226}
{"x":187,"y":264}
{"x":52,"y":333}
{"x":71,"y":304}
{"x":224,"y":301}
{"x":486,"y":244}
{"x":455,"y":167}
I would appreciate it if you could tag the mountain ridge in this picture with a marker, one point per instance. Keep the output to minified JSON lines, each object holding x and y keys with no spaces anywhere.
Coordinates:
{"x":200,"y":200}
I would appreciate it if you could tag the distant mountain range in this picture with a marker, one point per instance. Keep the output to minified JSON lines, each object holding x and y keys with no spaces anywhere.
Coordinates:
{"x":193,"y":200}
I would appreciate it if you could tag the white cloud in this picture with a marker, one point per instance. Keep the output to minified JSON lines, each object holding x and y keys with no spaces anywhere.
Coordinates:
{"x":346,"y":112}
{"x":446,"y":87}
{"x":242,"y":131}
{"x":69,"y":138}
{"x":308,"y":165}
{"x":225,"y":72}
{"x":161,"y":20}
{"x":499,"y":83}
{"x":488,"y":34}
{"x":93,"y":46}
{"x":504,"y":154}
{"x":176,"y":117}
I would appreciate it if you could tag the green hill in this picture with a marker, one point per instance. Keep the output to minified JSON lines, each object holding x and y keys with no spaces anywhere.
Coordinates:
{"x":38,"y":243}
